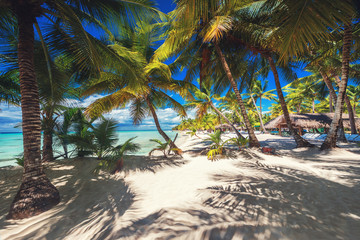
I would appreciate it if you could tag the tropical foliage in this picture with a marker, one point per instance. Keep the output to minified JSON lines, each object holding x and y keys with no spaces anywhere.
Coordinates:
{"x":231,"y":52}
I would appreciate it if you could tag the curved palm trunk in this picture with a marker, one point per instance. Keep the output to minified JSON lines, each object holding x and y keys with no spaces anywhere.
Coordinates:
{"x":333,"y":98}
{"x":259,"y":114}
{"x":349,"y":108}
{"x":300,"y":142}
{"x":226,"y":119}
{"x":330,"y":141}
{"x":157,"y":124}
{"x":253,"y":141}
{"x":36,"y":193}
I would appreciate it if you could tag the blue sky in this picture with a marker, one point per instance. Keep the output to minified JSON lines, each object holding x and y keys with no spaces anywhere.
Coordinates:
{"x":10,"y":116}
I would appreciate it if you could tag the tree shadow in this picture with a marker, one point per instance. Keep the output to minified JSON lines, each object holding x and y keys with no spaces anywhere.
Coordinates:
{"x":276,"y":203}
{"x":89,"y":203}
{"x":152,"y":164}
{"x":287,"y":203}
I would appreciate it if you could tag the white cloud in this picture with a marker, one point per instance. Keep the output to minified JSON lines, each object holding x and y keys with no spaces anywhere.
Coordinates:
{"x":168,"y":118}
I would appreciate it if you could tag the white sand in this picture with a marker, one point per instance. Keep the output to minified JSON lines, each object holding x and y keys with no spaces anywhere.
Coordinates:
{"x":297,"y":194}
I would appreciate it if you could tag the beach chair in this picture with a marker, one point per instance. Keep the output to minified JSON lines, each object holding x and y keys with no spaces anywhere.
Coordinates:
{"x":357,"y":139}
{"x":306,"y":135}
{"x":347,"y":136}
{"x":314,"y":136}
{"x":353,"y":137}
{"x":310,"y":135}
{"x":321,"y":137}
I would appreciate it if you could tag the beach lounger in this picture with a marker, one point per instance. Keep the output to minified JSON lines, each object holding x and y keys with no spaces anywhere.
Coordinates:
{"x":306,"y":135}
{"x":352,"y":137}
{"x":321,"y":137}
{"x":315,"y":135}
{"x":357,"y":139}
{"x":309,"y":135}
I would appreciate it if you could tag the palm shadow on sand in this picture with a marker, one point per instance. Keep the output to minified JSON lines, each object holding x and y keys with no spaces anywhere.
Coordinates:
{"x":89,"y":204}
{"x":277,"y":203}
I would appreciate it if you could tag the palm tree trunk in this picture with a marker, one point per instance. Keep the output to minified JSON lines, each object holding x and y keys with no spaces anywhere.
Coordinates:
{"x":47,"y":153}
{"x":330,"y":104}
{"x":333,"y":97}
{"x":260,"y":102}
{"x":259,"y":113}
{"x":253,"y":141}
{"x":330,"y":141}
{"x":300,"y":142}
{"x":36,"y":193}
{"x":226,"y":119}
{"x":157,"y":124}
{"x":349,"y":108}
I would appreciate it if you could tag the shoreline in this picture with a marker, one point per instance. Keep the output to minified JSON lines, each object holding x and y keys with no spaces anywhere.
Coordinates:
{"x":296,"y":194}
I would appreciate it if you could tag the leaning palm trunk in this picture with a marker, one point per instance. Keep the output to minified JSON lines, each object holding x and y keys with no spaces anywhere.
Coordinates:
{"x":227,"y":120}
{"x":36,"y":193}
{"x":157,"y":124}
{"x":300,"y":142}
{"x":253,"y":141}
{"x":349,"y":108}
{"x":333,"y":98}
{"x":330,"y":141}
{"x":259,"y":114}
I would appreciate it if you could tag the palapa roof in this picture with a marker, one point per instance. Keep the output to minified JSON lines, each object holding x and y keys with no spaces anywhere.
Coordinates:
{"x":310,"y":120}
{"x":223,"y":126}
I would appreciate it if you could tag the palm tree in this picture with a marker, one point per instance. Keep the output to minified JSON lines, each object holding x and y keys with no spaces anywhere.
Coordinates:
{"x":330,"y":141}
{"x":260,"y":93}
{"x":354,"y":95}
{"x":305,"y":23}
{"x":229,"y":102}
{"x":197,"y":25}
{"x":36,"y":193}
{"x":203,"y":100}
{"x":9,"y":88}
{"x":145,"y":93}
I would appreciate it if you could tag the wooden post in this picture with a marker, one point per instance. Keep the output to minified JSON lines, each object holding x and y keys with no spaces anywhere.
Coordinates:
{"x":300,"y":131}
{"x":279,"y":130}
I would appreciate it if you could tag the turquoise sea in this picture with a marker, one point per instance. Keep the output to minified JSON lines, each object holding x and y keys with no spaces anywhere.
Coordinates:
{"x":11,"y":143}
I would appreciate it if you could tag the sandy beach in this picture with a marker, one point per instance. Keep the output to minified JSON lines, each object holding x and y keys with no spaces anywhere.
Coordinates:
{"x":295,"y":194}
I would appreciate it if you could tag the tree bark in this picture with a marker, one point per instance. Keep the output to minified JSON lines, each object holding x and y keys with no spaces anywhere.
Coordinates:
{"x":253,"y":141}
{"x":226,"y":119}
{"x":259,"y":113}
{"x":300,"y":142}
{"x":349,"y":108}
{"x":157,"y":124}
{"x":330,"y":104}
{"x":47,"y":153}
{"x":333,"y":97}
{"x":36,"y":193}
{"x":330,"y":141}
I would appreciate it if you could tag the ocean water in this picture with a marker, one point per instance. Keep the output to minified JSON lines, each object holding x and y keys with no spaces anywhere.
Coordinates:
{"x":11,"y":143}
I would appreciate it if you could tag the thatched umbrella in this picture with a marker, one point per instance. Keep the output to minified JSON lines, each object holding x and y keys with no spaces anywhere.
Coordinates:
{"x":224,"y":127}
{"x":309,"y":121}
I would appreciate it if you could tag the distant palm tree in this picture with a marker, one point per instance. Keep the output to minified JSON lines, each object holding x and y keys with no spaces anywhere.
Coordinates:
{"x":354,"y":95}
{"x":203,"y":100}
{"x":145,"y":93}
